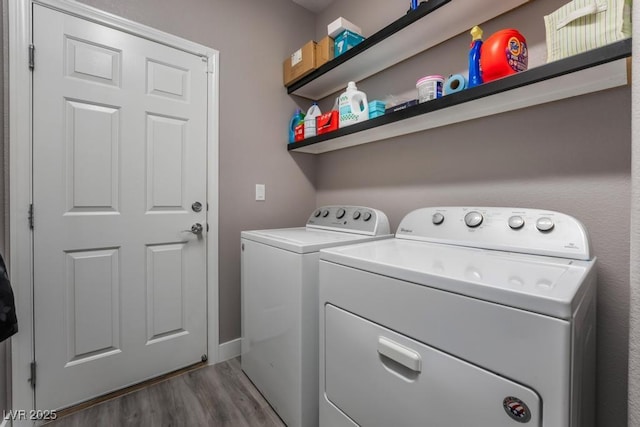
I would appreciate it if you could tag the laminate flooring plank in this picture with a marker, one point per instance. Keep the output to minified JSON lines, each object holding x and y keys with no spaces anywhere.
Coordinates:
{"x":136,"y":409}
{"x":219,"y":396}
{"x":238,"y":394}
{"x":229,"y":401}
{"x":188,"y":405}
{"x":104,"y":415}
{"x":162,"y":400}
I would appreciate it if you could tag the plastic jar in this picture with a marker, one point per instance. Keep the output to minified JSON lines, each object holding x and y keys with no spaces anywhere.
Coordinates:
{"x":429,"y":87}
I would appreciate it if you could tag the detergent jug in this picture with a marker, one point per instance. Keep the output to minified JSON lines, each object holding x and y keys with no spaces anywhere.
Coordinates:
{"x":352,"y":106}
{"x":503,"y":54}
{"x":296,"y":120}
{"x":310,"y":120}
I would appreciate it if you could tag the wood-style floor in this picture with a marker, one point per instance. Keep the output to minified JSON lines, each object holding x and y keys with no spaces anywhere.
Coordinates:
{"x":219,"y":395}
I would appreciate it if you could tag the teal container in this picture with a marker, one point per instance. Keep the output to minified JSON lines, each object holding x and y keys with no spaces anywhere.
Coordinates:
{"x":296,"y":119}
{"x":345,"y":41}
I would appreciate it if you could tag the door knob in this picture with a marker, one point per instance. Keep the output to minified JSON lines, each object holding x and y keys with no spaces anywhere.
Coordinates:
{"x":195,"y":229}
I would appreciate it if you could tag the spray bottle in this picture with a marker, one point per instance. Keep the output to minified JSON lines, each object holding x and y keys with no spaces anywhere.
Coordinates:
{"x":475,"y":75}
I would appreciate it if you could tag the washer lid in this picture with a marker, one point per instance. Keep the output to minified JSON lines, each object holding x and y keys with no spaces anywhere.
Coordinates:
{"x":305,"y":240}
{"x":545,"y":285}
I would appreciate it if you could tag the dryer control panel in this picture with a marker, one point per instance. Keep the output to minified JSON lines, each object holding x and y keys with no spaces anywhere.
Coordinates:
{"x":531,"y":231}
{"x":350,"y":219}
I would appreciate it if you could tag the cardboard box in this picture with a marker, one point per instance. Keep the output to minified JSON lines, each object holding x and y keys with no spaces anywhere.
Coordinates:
{"x":301,"y":63}
{"x":402,"y":106}
{"x":299,"y":132}
{"x":345,"y":41}
{"x":324,"y":51}
{"x":327,"y":122}
{"x":376,"y":109}
{"x":339,"y":25}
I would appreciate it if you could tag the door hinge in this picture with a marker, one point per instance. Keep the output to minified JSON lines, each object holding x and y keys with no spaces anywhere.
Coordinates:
{"x":31,"y":216}
{"x":32,"y":57}
{"x":32,"y":380}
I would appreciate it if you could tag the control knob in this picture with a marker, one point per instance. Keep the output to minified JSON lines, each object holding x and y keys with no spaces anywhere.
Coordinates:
{"x":340,"y":213}
{"x":473,"y":219}
{"x":367,"y":216}
{"x":317,"y":213}
{"x":516,"y":222}
{"x":437,"y":218}
{"x":325,"y":213}
{"x":545,"y":224}
{"x":356,"y":215}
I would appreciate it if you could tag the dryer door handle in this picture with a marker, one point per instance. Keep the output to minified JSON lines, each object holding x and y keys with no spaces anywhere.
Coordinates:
{"x":400,"y":354}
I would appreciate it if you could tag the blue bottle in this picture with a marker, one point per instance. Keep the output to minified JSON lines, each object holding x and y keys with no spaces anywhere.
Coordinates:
{"x":475,"y":76}
{"x":296,"y":119}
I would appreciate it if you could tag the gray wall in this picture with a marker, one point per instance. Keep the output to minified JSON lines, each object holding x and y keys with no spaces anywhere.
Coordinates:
{"x":572,"y":156}
{"x":253,"y":38}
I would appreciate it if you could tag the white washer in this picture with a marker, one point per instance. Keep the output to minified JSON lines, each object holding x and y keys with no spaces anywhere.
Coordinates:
{"x":280,"y":304}
{"x":470,"y":317}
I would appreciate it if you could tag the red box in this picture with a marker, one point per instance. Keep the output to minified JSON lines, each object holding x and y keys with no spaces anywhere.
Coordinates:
{"x":327,"y":122}
{"x":298,"y":132}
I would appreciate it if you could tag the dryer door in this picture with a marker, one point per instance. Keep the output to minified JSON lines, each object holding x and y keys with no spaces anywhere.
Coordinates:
{"x":380,"y":378}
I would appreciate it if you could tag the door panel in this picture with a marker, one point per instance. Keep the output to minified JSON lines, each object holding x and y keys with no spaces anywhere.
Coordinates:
{"x":119,"y":156}
{"x":167,"y":80}
{"x":93,"y":310}
{"x":165,"y":291}
{"x":89,"y":61}
{"x":166,"y":147}
{"x":92,"y":157}
{"x":380,"y":378}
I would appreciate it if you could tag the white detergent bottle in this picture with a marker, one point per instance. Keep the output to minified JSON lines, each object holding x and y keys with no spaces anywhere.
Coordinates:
{"x":310,"y":120}
{"x":352,"y":106}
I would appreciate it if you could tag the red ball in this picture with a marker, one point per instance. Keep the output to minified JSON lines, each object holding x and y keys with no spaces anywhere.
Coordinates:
{"x":502,"y":54}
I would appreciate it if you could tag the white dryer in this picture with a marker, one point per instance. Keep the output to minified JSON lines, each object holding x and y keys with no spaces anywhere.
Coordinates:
{"x":470,"y":317}
{"x":280,"y":304}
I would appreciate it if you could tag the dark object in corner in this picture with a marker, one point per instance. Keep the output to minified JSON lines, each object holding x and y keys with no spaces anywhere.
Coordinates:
{"x":8,"y":319}
{"x":415,"y":5}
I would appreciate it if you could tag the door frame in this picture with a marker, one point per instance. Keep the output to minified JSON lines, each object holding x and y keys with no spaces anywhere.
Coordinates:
{"x":20,"y":20}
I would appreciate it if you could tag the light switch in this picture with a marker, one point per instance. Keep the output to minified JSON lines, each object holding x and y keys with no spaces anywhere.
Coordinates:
{"x":260,"y":192}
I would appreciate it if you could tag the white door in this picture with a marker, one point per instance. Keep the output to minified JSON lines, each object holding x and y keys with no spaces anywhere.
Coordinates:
{"x":119,"y":157}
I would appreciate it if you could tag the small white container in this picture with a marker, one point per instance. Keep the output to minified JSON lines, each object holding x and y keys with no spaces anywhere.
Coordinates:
{"x":429,"y":87}
{"x":338,"y":26}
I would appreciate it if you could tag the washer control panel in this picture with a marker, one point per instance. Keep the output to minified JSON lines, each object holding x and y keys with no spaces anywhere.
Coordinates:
{"x":531,"y":231}
{"x":350,"y":219}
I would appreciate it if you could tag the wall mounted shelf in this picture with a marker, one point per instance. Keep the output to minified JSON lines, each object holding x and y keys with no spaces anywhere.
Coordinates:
{"x":398,"y":41}
{"x":592,"y":71}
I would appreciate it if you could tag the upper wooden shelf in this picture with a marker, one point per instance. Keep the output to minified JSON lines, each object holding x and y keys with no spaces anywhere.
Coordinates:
{"x":398,"y":41}
{"x":595,"y":70}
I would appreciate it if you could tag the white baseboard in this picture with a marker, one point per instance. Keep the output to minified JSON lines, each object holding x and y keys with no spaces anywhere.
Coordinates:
{"x":229,"y":350}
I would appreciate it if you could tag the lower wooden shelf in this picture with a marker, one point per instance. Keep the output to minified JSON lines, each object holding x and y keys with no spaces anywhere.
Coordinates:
{"x":596,"y":70}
